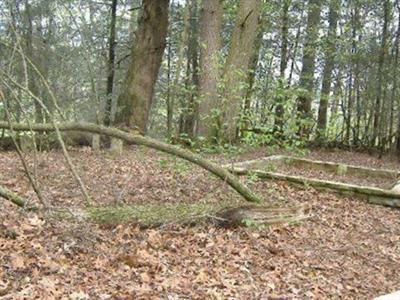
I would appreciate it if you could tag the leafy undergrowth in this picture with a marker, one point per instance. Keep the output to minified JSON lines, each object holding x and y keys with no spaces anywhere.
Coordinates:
{"x":347,"y":249}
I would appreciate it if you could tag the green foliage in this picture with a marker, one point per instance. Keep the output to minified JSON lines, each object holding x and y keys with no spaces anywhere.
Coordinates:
{"x":177,"y":165}
{"x":271,"y":167}
{"x":252,"y":177}
{"x":226,"y":148}
{"x":163,"y":164}
{"x":253,"y":224}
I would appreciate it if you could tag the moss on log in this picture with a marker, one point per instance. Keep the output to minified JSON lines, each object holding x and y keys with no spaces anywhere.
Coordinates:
{"x":10,"y":196}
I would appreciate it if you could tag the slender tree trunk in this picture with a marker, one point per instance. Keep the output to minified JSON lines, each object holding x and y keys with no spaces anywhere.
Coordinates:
{"x":393,"y":93}
{"x":306,"y":81}
{"x":237,"y":64}
{"x":328,"y":69}
{"x":279,"y":110}
{"x":33,"y":83}
{"x":379,"y":84}
{"x":169,"y":100}
{"x":210,"y":45}
{"x":192,"y":76}
{"x":394,"y":81}
{"x":111,"y":62}
{"x":394,"y":87}
{"x":251,"y":75}
{"x":351,"y":79}
{"x":178,"y":92}
{"x":136,"y":99}
{"x":357,"y":81}
{"x":268,"y":78}
{"x":349,"y":108}
{"x":294,"y":55}
{"x":335,"y":102}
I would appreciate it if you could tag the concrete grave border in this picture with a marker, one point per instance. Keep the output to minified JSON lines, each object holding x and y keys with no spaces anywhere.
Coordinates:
{"x":264,"y":168}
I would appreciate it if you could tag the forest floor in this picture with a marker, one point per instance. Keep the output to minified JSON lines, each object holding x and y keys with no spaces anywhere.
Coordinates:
{"x":346,"y":249}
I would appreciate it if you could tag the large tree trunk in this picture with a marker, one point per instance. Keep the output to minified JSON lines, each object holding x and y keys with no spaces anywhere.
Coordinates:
{"x":237,"y":64}
{"x":130,"y":138}
{"x":136,"y":99}
{"x":328,"y":69}
{"x":308,"y":69}
{"x":210,"y":45}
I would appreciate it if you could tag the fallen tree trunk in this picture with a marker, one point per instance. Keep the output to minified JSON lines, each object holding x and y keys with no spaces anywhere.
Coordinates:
{"x":258,"y":216}
{"x":148,"y":216}
{"x":130,"y":138}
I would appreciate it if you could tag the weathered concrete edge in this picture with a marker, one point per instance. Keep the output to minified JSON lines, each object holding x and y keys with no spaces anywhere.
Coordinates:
{"x":373,"y":195}
{"x":372,"y":171}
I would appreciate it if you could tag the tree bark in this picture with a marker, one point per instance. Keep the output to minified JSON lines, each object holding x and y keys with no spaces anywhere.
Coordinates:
{"x":237,"y":64}
{"x":136,"y":99}
{"x":220,"y":172}
{"x":210,"y":45}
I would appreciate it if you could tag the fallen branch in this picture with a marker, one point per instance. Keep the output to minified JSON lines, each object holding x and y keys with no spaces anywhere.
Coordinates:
{"x":130,"y":138}
{"x":10,"y":196}
{"x":146,"y":216}
{"x":159,"y":215}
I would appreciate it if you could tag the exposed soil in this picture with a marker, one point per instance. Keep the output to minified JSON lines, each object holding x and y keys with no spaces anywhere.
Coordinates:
{"x":347,"y":249}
